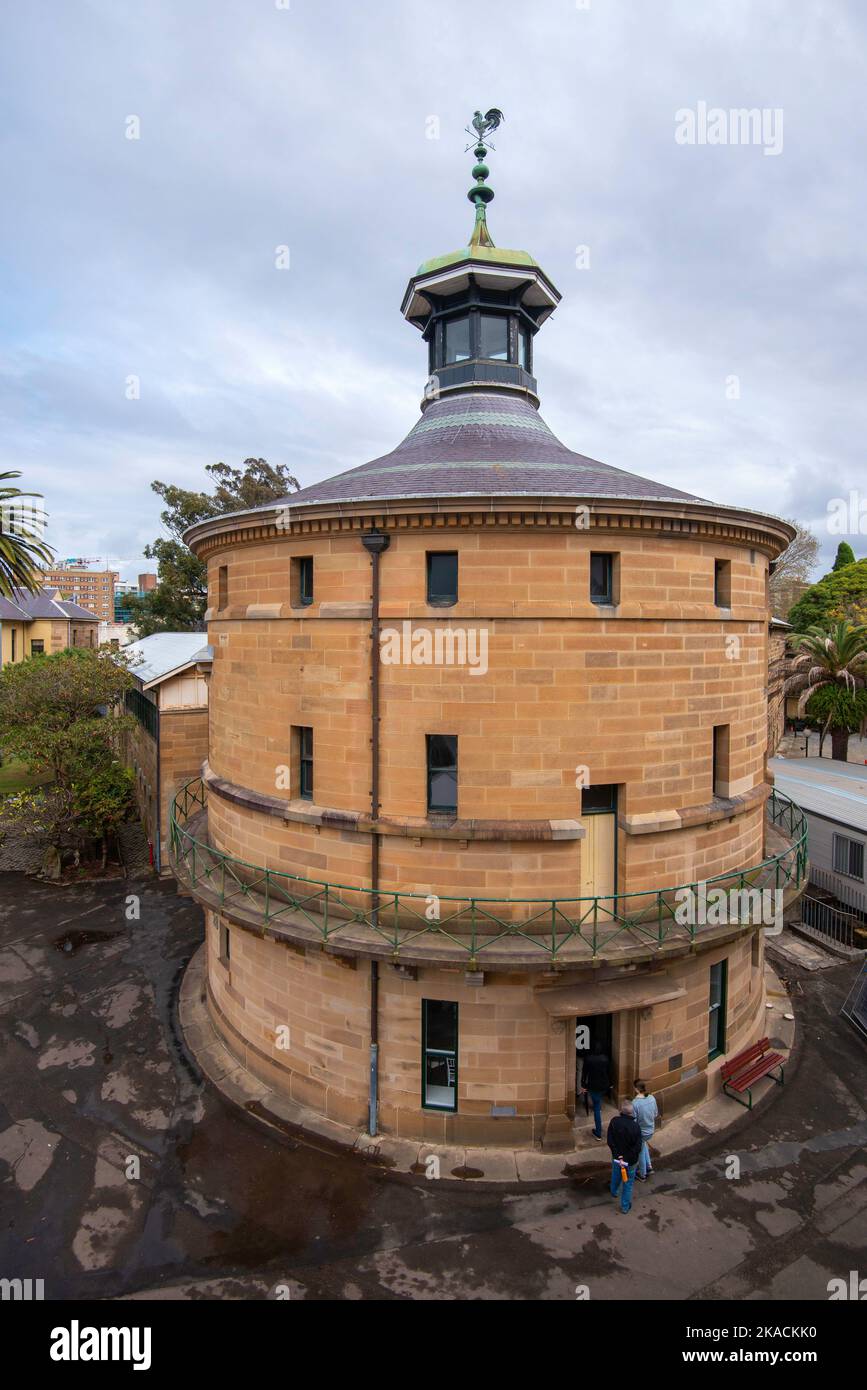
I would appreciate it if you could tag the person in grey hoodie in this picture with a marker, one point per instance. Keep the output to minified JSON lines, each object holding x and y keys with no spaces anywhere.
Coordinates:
{"x":646,"y":1112}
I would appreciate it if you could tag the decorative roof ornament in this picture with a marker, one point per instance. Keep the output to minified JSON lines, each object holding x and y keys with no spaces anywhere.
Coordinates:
{"x":480,"y":194}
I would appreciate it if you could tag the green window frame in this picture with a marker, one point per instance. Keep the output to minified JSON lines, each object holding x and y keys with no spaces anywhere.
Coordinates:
{"x":442,"y":578}
{"x":602,"y":578}
{"x":144,"y":710}
{"x":305,"y":580}
{"x":439,"y":1055}
{"x":442,"y":774}
{"x":305,"y":763}
{"x":716,"y":1010}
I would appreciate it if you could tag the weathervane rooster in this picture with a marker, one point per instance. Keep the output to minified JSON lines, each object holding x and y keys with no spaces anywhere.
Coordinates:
{"x":480,"y":194}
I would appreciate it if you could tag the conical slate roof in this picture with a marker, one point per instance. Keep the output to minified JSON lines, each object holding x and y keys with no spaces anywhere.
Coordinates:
{"x":483,"y":444}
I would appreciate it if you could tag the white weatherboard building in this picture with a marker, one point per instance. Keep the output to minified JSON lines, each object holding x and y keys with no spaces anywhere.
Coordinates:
{"x":834,"y":797}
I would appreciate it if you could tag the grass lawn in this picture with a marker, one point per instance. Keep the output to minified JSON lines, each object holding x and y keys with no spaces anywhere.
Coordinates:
{"x":14,"y":777}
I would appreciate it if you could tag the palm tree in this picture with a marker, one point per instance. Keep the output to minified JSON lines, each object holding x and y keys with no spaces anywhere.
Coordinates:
{"x":21,"y":551}
{"x":830,"y":671}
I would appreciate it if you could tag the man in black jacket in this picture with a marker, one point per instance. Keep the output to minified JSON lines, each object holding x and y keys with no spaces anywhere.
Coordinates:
{"x":624,"y":1141}
{"x":596,"y":1081}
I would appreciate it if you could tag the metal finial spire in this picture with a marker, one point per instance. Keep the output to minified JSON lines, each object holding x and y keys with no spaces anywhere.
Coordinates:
{"x":480,"y":194}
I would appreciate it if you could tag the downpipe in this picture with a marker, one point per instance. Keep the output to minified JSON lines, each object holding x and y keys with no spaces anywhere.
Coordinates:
{"x":374,"y":542}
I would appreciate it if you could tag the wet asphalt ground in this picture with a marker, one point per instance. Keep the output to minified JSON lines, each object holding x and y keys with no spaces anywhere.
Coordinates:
{"x":123,"y":1174}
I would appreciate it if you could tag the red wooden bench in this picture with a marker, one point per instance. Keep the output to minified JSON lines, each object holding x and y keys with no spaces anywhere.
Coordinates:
{"x":750,"y":1066}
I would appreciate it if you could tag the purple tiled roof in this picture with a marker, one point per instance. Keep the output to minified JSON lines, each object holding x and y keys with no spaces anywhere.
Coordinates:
{"x":24,"y":606}
{"x":483,"y":444}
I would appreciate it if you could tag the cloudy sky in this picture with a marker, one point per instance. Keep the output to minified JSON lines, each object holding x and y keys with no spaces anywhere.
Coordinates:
{"x":715,"y":341}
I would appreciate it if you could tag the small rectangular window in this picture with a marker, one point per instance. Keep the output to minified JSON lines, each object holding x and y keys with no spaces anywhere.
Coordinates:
{"x":225,"y":943}
{"x":602,"y":579}
{"x":494,"y":337}
{"x":439,"y":1054}
{"x":599,"y":800}
{"x":849,"y":857}
{"x":303,"y":737}
{"x":223,"y":587}
{"x":457,"y":340}
{"x":721,"y":754}
{"x":716,"y":1012}
{"x":442,"y":577}
{"x":442,"y":773}
{"x":722,"y":583}
{"x":301,"y":581}
{"x":37,"y":647}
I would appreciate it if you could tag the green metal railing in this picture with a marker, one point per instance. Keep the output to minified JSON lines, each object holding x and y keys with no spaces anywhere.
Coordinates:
{"x":562,"y":928}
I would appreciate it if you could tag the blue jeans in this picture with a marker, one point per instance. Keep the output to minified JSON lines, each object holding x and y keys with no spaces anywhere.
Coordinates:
{"x":597,"y":1098}
{"x":644,"y":1164}
{"x":617,"y":1179}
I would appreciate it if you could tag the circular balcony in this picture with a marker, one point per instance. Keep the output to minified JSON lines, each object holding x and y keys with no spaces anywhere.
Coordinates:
{"x":487,"y":933}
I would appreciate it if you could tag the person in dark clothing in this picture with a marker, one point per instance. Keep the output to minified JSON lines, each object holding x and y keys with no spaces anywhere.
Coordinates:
{"x":596,"y":1081}
{"x":624,"y":1141}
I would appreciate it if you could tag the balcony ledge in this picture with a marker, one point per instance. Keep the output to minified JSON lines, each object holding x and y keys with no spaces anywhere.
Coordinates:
{"x":409,"y":827}
{"x":482,"y":933}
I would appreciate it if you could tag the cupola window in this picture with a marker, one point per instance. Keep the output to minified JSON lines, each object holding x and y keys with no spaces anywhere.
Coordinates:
{"x":494,"y":337}
{"x":457,"y":340}
{"x":524,"y":348}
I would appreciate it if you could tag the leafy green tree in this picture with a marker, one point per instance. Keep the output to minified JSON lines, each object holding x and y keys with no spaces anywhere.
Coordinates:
{"x":21,"y":551}
{"x":60,"y":715}
{"x":102,"y":800}
{"x":839,"y":595}
{"x":829,"y":676}
{"x":845,"y":556}
{"x":178,"y":602}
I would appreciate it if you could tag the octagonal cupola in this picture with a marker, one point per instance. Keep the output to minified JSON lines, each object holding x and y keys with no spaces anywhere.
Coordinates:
{"x":480,"y":307}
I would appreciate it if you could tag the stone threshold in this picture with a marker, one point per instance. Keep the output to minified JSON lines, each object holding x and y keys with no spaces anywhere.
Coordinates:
{"x":460,"y":1165}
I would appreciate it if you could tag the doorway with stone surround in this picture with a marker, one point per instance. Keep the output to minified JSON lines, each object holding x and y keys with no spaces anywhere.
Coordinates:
{"x":593,"y":1033}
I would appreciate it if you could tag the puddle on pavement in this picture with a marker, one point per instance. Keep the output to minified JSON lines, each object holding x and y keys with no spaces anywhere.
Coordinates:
{"x":277,"y":1199}
{"x":72,"y":941}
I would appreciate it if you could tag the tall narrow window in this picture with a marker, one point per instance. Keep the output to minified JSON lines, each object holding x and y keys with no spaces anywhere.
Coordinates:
{"x":602,"y":579}
{"x":442,"y":577}
{"x":223,"y":587}
{"x":721,"y":757}
{"x":225,"y":942}
{"x":442,"y":773}
{"x":722,"y":583}
{"x":301,"y":581}
{"x":524,"y":348}
{"x":716,"y":1011}
{"x":302,"y":757}
{"x":494,"y":337}
{"x":457,"y":340}
{"x":439,"y":1054}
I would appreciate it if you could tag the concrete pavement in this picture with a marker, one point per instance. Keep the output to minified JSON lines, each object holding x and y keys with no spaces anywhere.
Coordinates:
{"x":94,"y":1075}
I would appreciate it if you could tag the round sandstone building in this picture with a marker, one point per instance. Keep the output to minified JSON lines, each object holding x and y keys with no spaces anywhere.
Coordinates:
{"x":483,"y":713}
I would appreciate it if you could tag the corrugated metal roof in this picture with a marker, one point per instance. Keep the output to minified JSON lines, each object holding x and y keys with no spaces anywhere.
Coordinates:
{"x":164,"y":652}
{"x":837,"y":791}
